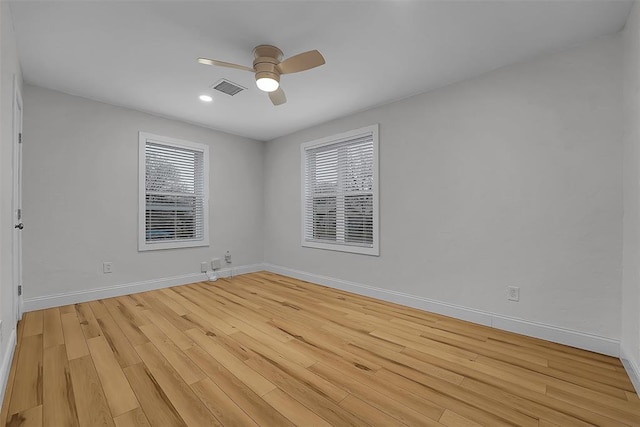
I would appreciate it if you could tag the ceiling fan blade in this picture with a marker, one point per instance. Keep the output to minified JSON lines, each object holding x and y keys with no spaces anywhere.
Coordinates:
{"x":277,"y":97}
{"x":207,"y":61}
{"x":301,"y":62}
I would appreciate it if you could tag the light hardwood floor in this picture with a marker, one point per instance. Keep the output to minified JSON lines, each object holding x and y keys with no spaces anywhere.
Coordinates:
{"x":263,"y":349}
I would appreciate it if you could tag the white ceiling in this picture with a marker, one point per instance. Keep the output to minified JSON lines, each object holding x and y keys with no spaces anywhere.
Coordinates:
{"x":143,"y":54}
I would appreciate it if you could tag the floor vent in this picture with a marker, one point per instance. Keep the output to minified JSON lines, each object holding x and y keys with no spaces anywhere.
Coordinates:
{"x":228,"y":87}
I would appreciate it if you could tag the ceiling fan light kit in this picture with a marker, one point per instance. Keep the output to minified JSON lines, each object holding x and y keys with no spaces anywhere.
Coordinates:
{"x":267,"y":84}
{"x":268,"y":66}
{"x":266,"y":63}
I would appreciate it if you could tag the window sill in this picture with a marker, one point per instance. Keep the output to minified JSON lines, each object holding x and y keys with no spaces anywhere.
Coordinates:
{"x":374,"y":251}
{"x":142,"y":247}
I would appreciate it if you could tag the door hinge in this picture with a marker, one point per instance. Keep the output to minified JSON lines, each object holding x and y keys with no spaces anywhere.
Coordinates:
{"x":20,"y":138}
{"x":19,"y":290}
{"x":19,"y":214}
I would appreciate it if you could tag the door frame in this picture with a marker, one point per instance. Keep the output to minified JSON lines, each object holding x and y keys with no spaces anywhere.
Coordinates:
{"x":16,"y":200}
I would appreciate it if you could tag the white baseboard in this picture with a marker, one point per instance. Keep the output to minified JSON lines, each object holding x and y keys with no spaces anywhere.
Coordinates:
{"x":632,"y":368}
{"x":6,"y":363}
{"x":65,"y":298}
{"x":552,"y":333}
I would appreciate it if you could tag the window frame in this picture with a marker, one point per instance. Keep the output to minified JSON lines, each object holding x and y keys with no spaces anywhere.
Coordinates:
{"x":374,"y":250}
{"x":143,"y":245}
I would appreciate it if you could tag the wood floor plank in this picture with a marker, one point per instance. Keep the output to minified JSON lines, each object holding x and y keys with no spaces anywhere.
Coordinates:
{"x":66,"y":309}
{"x":132,"y":311}
{"x":52,"y":329}
{"x":526,"y":406}
{"x":88,"y":321}
{"x":245,"y":313}
{"x":263,"y":349}
{"x":58,"y":398}
{"x":193,"y":303}
{"x":117,"y":390}
{"x":523,"y":398}
{"x":33,"y":323}
{"x":296,"y":412}
{"x":188,"y":370}
{"x":295,"y":370}
{"x":266,"y":344}
{"x":166,"y":296}
{"x":161,"y":309}
{"x":447,"y":396}
{"x":252,"y":379}
{"x":74,"y":340}
{"x":581,"y":386}
{"x":134,"y":418}
{"x":615,"y":379}
{"x":221,"y":405}
{"x":27,"y":389}
{"x":170,"y":330}
{"x":407,"y":408}
{"x":190,"y":408}
{"x":232,"y":346}
{"x":99,"y":309}
{"x":451,"y":419}
{"x":209,"y":316}
{"x":253,"y":404}
{"x":91,"y":403}
{"x":122,"y":349}
{"x":156,"y":405}
{"x":618,"y":413}
{"x":369,"y":413}
{"x":328,"y":345}
{"x":126,"y":321}
{"x":28,"y":418}
{"x":308,"y":396}
{"x":468,"y":368}
{"x":404,"y":364}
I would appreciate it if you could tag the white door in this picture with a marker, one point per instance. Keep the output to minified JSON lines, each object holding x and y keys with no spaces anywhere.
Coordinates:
{"x":17,"y":202}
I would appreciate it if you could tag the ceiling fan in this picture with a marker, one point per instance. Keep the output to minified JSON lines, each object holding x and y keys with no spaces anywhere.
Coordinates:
{"x":268,"y":66}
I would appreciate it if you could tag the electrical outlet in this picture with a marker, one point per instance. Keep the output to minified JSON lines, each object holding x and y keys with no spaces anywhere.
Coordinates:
{"x":216,"y":264}
{"x":227,"y":257}
{"x":204,"y":266}
{"x":513,"y":293}
{"x":107,"y":267}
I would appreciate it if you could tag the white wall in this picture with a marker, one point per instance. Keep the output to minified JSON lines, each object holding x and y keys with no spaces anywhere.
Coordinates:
{"x":81,"y":197}
{"x":630,"y":339}
{"x":511,"y":178}
{"x":9,"y":68}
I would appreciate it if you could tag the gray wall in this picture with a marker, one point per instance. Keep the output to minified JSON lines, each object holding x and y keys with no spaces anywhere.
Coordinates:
{"x":511,"y":178}
{"x":630,"y":339}
{"x":81,"y":196}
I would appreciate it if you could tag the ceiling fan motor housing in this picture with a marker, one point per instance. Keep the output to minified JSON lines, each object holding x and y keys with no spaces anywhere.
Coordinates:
{"x":266,"y":60}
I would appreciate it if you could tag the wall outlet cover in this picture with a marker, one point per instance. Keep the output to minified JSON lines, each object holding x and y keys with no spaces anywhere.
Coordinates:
{"x":513,"y":293}
{"x":107,"y":267}
{"x":204,"y":266}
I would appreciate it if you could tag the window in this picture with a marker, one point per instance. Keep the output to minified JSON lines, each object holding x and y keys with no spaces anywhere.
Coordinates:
{"x":340,"y":192}
{"x":174,"y":196}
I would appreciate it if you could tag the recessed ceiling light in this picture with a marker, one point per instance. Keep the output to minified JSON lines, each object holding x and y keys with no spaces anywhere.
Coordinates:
{"x":206,"y":98}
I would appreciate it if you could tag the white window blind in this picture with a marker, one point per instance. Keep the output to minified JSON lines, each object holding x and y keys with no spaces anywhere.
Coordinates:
{"x":175,"y":193}
{"x":340,"y":192}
